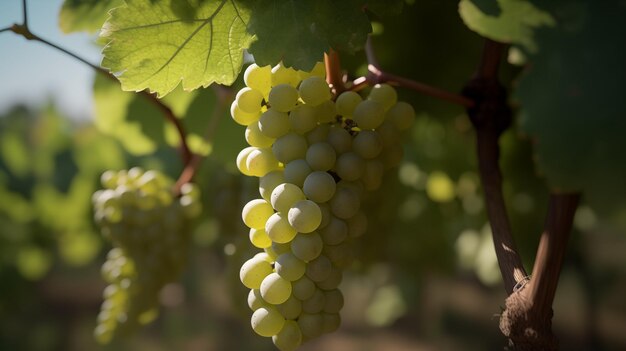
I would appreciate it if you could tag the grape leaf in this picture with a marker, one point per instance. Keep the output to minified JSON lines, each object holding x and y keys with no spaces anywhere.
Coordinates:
{"x":514,"y":23}
{"x":572,"y":100}
{"x":85,"y":15}
{"x":157,"y":44}
{"x":299,"y":32}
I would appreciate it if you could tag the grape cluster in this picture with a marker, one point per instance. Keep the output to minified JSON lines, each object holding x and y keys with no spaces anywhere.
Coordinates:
{"x":146,"y":223}
{"x":315,"y":158}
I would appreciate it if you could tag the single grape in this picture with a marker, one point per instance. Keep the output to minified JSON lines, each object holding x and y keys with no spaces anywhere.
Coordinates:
{"x":253,"y":272}
{"x":249,"y":100}
{"x":367,"y":144}
{"x":284,"y":75}
{"x":289,"y":266}
{"x":384,"y":94}
{"x":273,"y":123}
{"x":278,"y":228}
{"x":339,"y":139}
{"x":255,"y":301}
{"x":319,"y":186}
{"x":319,"y":269}
{"x":260,"y":162}
{"x":318,"y":134}
{"x":345,"y":203}
{"x":315,"y":303}
{"x":307,"y":246}
{"x":305,"y":216}
{"x":284,"y":196}
{"x":256,"y":212}
{"x":321,"y":156}
{"x":402,"y":115}
{"x":258,"y":78}
{"x":311,"y":325}
{"x":242,"y":117}
{"x":326,"y":112}
{"x":335,"y":232}
{"x":296,"y":172}
{"x":350,"y":166}
{"x":267,"y":321}
{"x":283,"y":97}
{"x":303,"y":288}
{"x":269,"y":182}
{"x":289,"y":147}
{"x":330,"y":322}
{"x":314,"y":91}
{"x":346,"y":103}
{"x":368,"y":114}
{"x":275,"y":289}
{"x":289,"y":338}
{"x":259,"y":238}
{"x":302,"y":119}
{"x":291,"y":308}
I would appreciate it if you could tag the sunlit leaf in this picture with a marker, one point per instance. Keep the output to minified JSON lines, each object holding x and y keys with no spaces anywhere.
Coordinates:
{"x":157,"y":44}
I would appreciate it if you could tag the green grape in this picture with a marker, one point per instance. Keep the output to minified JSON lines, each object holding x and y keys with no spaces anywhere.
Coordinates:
{"x":319,"y":269}
{"x":307,"y":247}
{"x":256,"y":212}
{"x":311,"y":325}
{"x":291,"y":308}
{"x":275,"y":289}
{"x":330,"y":322}
{"x":260,"y":162}
{"x":253,"y":272}
{"x":388,"y":133}
{"x":289,"y":267}
{"x":242,"y":157}
{"x":289,"y":338}
{"x":254,"y":137}
{"x":289,"y":147}
{"x":285,"y":196}
{"x":258,"y":78}
{"x":255,"y":301}
{"x":350,"y":166}
{"x":314,"y":91}
{"x":296,"y":172}
{"x":249,"y":100}
{"x":339,"y":139}
{"x":326,"y":112}
{"x":318,"y":134}
{"x":267,"y":321}
{"x":302,"y":119}
{"x":305,"y":216}
{"x":319,"y":186}
{"x":335,"y":232}
{"x":345,"y":203}
{"x":283,"y":97}
{"x":269,"y":182}
{"x":315,"y":303}
{"x":346,"y":102}
{"x":139,"y":214}
{"x":279,"y":229}
{"x":357,"y":225}
{"x":321,"y":156}
{"x":367,"y":144}
{"x":319,"y":70}
{"x":368,"y":114}
{"x":273,"y":123}
{"x":259,"y":238}
{"x":384,"y":94}
{"x":242,"y":117}
{"x":373,"y":174}
{"x":334,"y":301}
{"x":303,"y":288}
{"x":402,"y":115}
{"x":333,"y":280}
{"x":284,"y":75}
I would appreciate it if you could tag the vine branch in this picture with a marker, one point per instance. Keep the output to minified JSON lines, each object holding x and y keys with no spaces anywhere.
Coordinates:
{"x":24,"y":31}
{"x":490,"y":117}
{"x":377,"y":75}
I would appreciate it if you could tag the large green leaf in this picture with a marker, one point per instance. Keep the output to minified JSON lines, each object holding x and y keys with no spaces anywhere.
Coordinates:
{"x":572,"y":99}
{"x":299,"y":32}
{"x":514,"y":23}
{"x":156,"y":44}
{"x":85,"y":15}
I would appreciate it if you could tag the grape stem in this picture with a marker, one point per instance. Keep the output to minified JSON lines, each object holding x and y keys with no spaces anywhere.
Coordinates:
{"x":334,"y":76}
{"x":376,"y":75}
{"x":170,"y":116}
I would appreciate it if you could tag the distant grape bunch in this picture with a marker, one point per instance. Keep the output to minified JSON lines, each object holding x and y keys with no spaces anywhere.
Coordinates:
{"x":316,"y":158}
{"x":146,"y":223}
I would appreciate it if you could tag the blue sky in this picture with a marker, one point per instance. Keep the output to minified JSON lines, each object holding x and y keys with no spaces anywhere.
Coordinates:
{"x":32,"y":73}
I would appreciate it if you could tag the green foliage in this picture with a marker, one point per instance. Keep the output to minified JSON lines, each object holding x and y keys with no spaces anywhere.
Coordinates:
{"x":514,"y":23}
{"x":299,"y":32}
{"x":85,"y":15}
{"x":198,"y":43}
{"x":572,"y":101}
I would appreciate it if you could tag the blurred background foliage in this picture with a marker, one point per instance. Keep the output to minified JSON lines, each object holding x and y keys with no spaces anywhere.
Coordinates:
{"x":425,"y":278}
